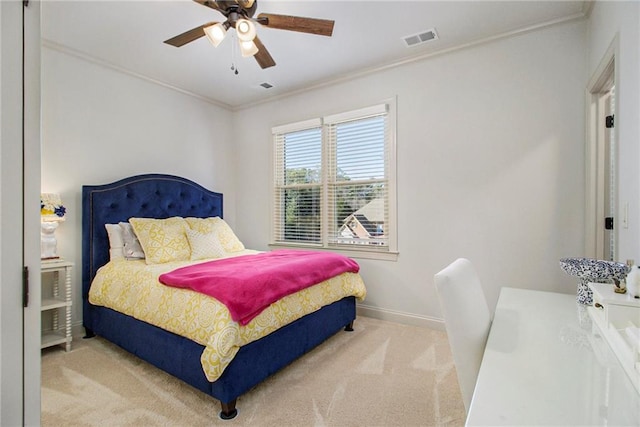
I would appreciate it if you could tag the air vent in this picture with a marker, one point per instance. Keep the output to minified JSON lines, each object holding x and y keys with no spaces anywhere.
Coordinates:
{"x":420,"y":38}
{"x":266,"y":85}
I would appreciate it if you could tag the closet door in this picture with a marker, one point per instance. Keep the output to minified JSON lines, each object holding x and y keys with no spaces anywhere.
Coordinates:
{"x":19,"y":188}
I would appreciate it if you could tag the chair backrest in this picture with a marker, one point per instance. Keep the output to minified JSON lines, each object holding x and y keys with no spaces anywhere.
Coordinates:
{"x":467,"y":320}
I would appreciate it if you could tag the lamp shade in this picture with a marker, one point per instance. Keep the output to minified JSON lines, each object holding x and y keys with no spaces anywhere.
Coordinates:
{"x":246,"y":30}
{"x":215,"y":33}
{"x":248,"y":48}
{"x":51,"y":208}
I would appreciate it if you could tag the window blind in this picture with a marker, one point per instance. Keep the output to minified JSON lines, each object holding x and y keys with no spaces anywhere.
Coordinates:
{"x":334,"y":181}
{"x":357,"y":185}
{"x":298,"y":186}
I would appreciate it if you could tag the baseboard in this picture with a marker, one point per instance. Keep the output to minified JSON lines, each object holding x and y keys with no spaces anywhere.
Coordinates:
{"x":400,"y":317}
{"x":77,"y":331}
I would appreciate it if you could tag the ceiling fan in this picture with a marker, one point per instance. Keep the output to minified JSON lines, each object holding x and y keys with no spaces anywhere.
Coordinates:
{"x":239,"y":14}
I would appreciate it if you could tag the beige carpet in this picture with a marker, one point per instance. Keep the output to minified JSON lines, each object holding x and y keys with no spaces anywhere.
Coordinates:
{"x":381,"y":374}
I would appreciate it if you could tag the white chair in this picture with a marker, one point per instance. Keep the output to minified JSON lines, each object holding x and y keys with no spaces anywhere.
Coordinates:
{"x":467,"y":320}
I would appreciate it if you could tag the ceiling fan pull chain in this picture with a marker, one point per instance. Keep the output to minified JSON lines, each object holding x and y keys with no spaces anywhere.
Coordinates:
{"x":234,"y":55}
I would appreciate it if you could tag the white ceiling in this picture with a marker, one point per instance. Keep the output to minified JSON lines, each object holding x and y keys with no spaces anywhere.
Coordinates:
{"x":129,"y":35}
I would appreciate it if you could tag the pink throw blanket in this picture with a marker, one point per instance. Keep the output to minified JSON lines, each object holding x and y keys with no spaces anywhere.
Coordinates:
{"x":248,"y":284}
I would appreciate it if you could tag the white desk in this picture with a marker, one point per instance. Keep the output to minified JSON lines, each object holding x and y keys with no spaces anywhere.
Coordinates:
{"x":545,"y":364}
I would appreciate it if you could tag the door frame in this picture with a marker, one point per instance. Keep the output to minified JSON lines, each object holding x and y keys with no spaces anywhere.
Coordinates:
{"x":31,"y":211}
{"x":594,"y":153}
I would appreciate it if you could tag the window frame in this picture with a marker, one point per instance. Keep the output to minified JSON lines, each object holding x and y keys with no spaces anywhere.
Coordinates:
{"x":388,"y":252}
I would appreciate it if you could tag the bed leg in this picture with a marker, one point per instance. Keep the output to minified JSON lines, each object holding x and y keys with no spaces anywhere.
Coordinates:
{"x":88,"y":333}
{"x":349,"y":327}
{"x":229,"y":410}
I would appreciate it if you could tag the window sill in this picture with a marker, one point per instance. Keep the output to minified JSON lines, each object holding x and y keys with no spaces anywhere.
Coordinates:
{"x":352,"y":253}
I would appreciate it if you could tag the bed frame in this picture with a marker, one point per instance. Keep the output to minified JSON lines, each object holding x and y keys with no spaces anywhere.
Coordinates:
{"x":163,"y":196}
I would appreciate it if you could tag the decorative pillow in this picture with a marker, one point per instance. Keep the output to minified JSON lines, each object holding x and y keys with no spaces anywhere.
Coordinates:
{"x":131,"y":246}
{"x":218,"y":226}
{"x":204,"y":246}
{"x":163,"y":240}
{"x":116,"y":242}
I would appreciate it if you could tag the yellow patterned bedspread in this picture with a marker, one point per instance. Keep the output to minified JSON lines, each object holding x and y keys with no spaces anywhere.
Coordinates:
{"x":132,"y":288}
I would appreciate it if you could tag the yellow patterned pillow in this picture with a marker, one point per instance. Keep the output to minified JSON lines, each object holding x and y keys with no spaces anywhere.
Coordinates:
{"x":163,"y":240}
{"x":218,"y":226}
{"x":204,"y":246}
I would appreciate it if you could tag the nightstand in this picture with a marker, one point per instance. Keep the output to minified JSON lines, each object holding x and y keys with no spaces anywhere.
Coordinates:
{"x":58,"y":298}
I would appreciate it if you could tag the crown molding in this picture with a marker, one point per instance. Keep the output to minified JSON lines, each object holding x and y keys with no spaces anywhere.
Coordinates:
{"x":583,"y":14}
{"x":362,"y":73}
{"x":49,"y":44}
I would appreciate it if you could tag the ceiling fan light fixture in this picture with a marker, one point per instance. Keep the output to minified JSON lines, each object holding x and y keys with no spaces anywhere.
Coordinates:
{"x":248,"y":48}
{"x":245,"y":3}
{"x":239,"y":16}
{"x":246,"y":30}
{"x":215,"y":33}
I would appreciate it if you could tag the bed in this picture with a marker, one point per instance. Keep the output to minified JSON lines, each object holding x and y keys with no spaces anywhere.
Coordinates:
{"x":164,"y":196}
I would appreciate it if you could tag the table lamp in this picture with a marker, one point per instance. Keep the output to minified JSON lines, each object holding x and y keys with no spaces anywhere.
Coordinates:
{"x":51,"y":214}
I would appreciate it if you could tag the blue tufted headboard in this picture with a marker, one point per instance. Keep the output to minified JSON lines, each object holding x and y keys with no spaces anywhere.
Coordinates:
{"x":143,"y":196}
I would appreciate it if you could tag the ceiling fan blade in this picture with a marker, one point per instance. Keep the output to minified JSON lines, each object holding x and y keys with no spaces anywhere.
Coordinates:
{"x":321,"y":27}
{"x":188,"y":36}
{"x":263,"y":57}
{"x":209,"y":3}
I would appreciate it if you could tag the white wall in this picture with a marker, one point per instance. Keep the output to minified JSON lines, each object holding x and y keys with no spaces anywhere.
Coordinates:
{"x":490,"y":146}
{"x":100,"y":125}
{"x":622,"y":19}
{"x":490,"y":158}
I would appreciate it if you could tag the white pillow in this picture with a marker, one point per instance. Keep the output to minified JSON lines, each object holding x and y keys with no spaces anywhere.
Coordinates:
{"x":131,"y":247}
{"x":116,"y":242}
{"x":205,"y":246}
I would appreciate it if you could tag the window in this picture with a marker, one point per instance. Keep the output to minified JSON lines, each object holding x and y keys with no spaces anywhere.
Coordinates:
{"x":334,"y":181}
